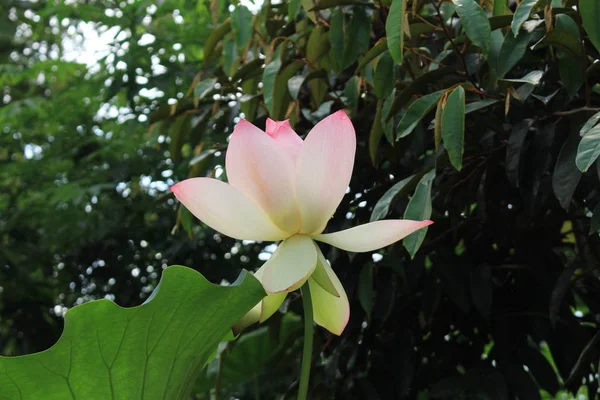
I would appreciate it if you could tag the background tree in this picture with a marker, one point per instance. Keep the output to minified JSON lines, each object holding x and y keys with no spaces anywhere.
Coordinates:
{"x":478,"y":115}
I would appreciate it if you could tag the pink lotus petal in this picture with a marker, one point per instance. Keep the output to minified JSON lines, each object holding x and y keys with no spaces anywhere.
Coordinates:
{"x":330,"y":312}
{"x":323,"y":170}
{"x":226,"y":209}
{"x":290,"y":266}
{"x":285,"y":137}
{"x":372,"y":236}
{"x":259,"y":168}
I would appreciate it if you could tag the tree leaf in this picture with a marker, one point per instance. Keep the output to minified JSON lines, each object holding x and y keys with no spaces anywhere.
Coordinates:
{"x":514,"y":150}
{"x":376,"y":50}
{"x":365,"y":290}
{"x":214,"y":38}
{"x":204,"y":87}
{"x":385,"y":76}
{"x":595,"y":222}
{"x":351,"y":92}
{"x":589,"y":149}
{"x":590,"y":15}
{"x":475,"y":23}
{"x":325,"y":4}
{"x":571,"y":73}
{"x":357,"y":36}
{"x":294,"y":85}
{"x":241,"y":24}
{"x":269,"y":75}
{"x":500,"y":7}
{"x":590,"y":123}
{"x":394,"y":30}
{"x":521,"y":15}
{"x":453,"y":126}
{"x":512,"y":50}
{"x":478,"y":105}
{"x":566,"y":175}
{"x":437,"y":124}
{"x":308,"y":5}
{"x":418,"y":209}
{"x":532,"y":78}
{"x":388,"y":126}
{"x":382,"y":208}
{"x":153,"y":350}
{"x":482,"y":289}
{"x":561,"y":39}
{"x":281,"y":93}
{"x":419,"y":85}
{"x":251,"y":354}
{"x":375,"y":134}
{"x":336,"y":38}
{"x":416,"y":112}
{"x":293,"y":9}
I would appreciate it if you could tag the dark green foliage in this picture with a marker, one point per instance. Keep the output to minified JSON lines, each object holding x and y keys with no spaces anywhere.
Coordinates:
{"x":507,"y":276}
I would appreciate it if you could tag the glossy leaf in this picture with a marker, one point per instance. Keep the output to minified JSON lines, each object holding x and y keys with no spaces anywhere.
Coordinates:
{"x":500,"y":7}
{"x":418,"y":209}
{"x":215,"y":37}
{"x":479,"y":105}
{"x":566,"y":175}
{"x":561,"y":39}
{"x":521,"y":15}
{"x":416,"y":112}
{"x":204,"y":87}
{"x":269,"y":75}
{"x":385,"y":75}
{"x":475,"y":23}
{"x":532,"y":78}
{"x":514,"y":150}
{"x":382,"y":207}
{"x":241,"y":24}
{"x":590,"y":15}
{"x":156,"y":349}
{"x":372,"y":54}
{"x":589,"y":149}
{"x":453,"y":126}
{"x":375,"y":134}
{"x":589,"y":124}
{"x":512,"y":50}
{"x":394,"y":29}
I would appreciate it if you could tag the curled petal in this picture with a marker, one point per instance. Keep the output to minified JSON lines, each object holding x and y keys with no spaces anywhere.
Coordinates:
{"x":290,"y":266}
{"x":372,"y":236}
{"x":330,"y":312}
{"x":250,"y":318}
{"x":323,"y":170}
{"x":285,"y":137}
{"x":263,"y":171}
{"x":270,"y":304}
{"x":226,"y":209}
{"x":321,"y":276}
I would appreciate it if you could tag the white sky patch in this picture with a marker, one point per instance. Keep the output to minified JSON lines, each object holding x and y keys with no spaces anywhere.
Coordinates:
{"x":92,"y":48}
{"x":253,"y":6}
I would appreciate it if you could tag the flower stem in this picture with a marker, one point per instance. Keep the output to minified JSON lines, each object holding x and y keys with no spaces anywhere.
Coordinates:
{"x":308,"y":342}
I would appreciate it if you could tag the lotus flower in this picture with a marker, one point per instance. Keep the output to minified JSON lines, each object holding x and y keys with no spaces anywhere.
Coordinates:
{"x":282,"y":188}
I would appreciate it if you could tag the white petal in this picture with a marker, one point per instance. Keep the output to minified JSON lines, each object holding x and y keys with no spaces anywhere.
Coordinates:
{"x":372,"y":236}
{"x":226,"y":209}
{"x":323,"y":170}
{"x":330,"y":312}
{"x":290,"y":266}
